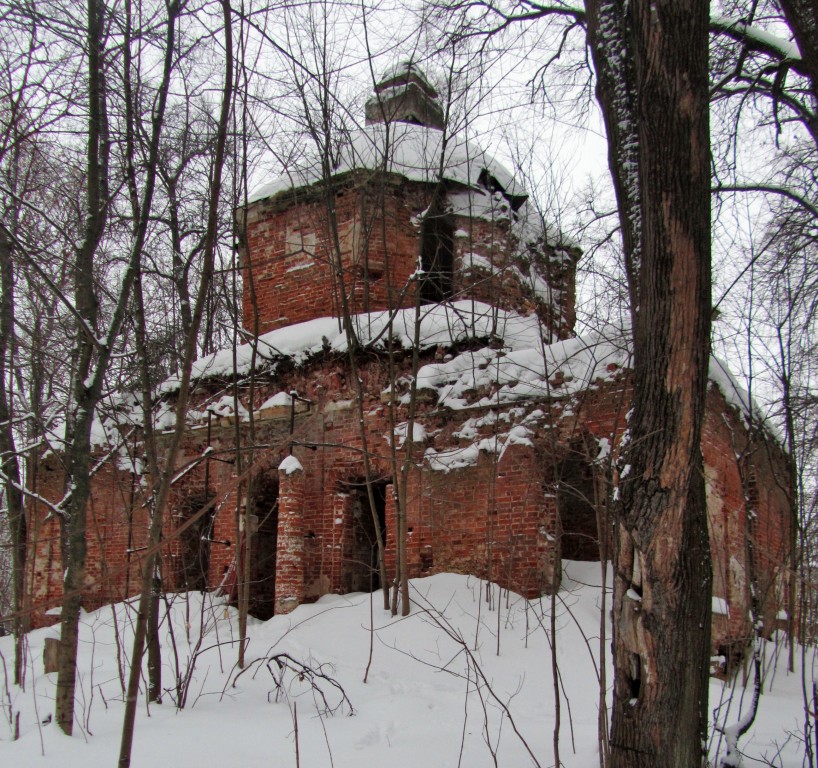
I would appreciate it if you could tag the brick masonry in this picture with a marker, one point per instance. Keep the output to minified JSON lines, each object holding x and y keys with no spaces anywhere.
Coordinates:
{"x":309,"y":252}
{"x":505,"y":517}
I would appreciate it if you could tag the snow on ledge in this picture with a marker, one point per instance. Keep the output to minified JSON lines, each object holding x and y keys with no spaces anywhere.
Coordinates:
{"x":467,"y":456}
{"x":402,"y":432}
{"x":440,"y":325}
{"x":290,"y":465}
{"x":277,"y":400}
{"x":720,"y":606}
{"x":521,"y":364}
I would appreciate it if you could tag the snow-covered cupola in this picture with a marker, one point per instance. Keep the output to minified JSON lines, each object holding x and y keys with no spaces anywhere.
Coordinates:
{"x":404,"y":95}
{"x":401,"y":192}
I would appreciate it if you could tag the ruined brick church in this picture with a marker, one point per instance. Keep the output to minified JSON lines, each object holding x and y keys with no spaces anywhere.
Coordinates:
{"x":412,"y":325}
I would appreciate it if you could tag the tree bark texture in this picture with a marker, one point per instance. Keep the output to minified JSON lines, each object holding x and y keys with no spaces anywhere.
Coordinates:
{"x":9,"y":465}
{"x":662,"y":589}
{"x":86,"y":391}
{"x":802,"y":19}
{"x":610,"y":44}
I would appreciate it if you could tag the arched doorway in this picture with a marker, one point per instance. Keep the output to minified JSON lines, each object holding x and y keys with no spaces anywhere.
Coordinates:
{"x":577,"y":507}
{"x":264,"y":543}
{"x":359,"y":568}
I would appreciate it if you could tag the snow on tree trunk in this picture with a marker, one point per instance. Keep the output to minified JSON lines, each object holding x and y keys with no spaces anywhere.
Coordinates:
{"x":662,"y":559}
{"x":610,"y":49}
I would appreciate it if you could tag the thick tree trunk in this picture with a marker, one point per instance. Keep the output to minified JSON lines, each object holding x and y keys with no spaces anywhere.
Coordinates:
{"x":662,"y":560}
{"x":74,"y":579}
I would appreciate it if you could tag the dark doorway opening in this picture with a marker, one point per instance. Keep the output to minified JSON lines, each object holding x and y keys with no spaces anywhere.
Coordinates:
{"x":193,"y":563}
{"x":575,"y":501}
{"x":264,"y":544}
{"x":437,"y":256}
{"x":361,"y":572}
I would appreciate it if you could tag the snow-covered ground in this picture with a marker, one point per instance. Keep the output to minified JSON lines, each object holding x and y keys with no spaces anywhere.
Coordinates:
{"x":459,"y":682}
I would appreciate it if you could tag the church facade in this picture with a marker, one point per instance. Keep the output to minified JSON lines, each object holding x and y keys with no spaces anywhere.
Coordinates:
{"x":413,"y":377}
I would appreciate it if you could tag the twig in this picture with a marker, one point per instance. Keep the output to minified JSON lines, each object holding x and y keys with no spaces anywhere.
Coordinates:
{"x":295,"y":729}
{"x":312,"y":675}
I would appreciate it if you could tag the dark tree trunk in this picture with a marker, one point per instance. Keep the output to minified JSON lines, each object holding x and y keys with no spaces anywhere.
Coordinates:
{"x":662,"y":565}
{"x":86,"y":390}
{"x":154,"y":651}
{"x":802,"y":19}
{"x":10,"y":466}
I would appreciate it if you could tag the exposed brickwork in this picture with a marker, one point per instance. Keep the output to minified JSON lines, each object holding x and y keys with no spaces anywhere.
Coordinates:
{"x":300,"y":262}
{"x":289,"y":579}
{"x":117,"y":529}
{"x":498,"y":518}
{"x":739,"y":517}
{"x":504,"y":516}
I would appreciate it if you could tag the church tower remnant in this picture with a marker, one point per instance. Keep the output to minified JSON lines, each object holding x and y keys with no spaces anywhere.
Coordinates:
{"x":404,"y":202}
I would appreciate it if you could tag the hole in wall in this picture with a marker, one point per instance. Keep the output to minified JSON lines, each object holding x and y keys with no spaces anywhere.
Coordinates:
{"x":360,"y":571}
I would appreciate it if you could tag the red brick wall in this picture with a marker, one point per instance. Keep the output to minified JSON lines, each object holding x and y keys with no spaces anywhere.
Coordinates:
{"x":293,"y":249}
{"x":291,"y":255}
{"x":117,"y":528}
{"x":496,"y":519}
{"x":508,"y":283}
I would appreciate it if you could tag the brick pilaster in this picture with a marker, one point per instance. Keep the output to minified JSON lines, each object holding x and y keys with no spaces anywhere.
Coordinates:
{"x":289,"y":587}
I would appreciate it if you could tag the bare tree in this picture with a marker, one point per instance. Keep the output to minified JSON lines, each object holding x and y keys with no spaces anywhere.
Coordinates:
{"x":165,"y":477}
{"x":657,"y":55}
{"x":25,"y":175}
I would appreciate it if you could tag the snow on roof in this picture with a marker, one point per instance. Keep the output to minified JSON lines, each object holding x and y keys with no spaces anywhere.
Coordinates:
{"x":516,"y":368}
{"x":520,"y":369}
{"x":524,"y":372}
{"x":402,"y":69}
{"x":441,"y":324}
{"x":519,"y":365}
{"x":735,"y":395}
{"x":459,"y":457}
{"x":290,"y":465}
{"x":416,"y":152}
{"x":277,"y":400}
